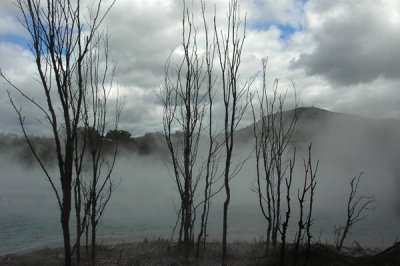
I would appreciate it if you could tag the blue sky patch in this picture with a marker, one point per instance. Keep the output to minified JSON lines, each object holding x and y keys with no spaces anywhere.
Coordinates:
{"x":15,"y":39}
{"x":286,"y":30}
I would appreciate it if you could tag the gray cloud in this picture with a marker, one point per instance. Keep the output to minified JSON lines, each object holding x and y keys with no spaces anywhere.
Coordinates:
{"x":142,"y":39}
{"x":356,"y":43}
{"x":348,"y":49}
{"x":9,"y":23}
{"x":141,"y":113}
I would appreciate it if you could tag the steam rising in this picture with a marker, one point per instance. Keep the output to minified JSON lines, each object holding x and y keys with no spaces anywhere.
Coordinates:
{"x":145,"y":202}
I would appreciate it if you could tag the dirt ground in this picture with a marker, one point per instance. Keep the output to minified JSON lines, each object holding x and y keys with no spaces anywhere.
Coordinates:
{"x":160,"y":252}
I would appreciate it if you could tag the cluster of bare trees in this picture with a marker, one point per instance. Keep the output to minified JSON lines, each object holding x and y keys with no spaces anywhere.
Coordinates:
{"x":70,"y":53}
{"x":275,"y":157}
{"x":272,"y":134}
{"x":187,"y":95}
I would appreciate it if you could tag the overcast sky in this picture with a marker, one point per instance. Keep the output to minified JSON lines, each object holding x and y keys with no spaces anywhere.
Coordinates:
{"x":343,"y":55}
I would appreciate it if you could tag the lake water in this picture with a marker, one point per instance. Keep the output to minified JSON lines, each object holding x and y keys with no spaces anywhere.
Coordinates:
{"x":142,"y":207}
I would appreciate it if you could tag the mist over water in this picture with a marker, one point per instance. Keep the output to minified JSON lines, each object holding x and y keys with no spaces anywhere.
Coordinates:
{"x":28,"y":209}
{"x":145,"y":202}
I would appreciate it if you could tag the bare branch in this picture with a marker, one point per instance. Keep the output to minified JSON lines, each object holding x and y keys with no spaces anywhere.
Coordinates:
{"x":356,"y":206}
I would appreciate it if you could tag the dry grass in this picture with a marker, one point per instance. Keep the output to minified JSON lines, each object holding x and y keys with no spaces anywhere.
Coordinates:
{"x":160,"y":252}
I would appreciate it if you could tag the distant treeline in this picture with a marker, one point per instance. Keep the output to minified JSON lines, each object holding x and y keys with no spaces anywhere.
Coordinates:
{"x":15,"y":147}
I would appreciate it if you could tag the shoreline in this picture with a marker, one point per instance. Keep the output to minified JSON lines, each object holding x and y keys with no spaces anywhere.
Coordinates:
{"x":158,"y":251}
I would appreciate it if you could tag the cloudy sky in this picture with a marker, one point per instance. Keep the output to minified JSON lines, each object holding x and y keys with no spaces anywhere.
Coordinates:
{"x":343,"y":55}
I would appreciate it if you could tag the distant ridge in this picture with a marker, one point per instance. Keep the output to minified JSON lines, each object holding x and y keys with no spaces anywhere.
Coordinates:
{"x":313,"y":113}
{"x":315,"y":125}
{"x":317,"y":122}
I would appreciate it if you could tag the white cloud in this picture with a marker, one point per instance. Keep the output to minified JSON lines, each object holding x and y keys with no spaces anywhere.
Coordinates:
{"x":338,"y":46}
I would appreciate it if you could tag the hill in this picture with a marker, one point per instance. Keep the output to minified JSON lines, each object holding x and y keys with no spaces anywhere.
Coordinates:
{"x":332,"y":133}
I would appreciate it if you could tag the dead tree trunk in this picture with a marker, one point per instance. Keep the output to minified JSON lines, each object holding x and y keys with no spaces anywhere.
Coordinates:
{"x":211,"y":164}
{"x":60,"y":42}
{"x":304,"y":226}
{"x":313,"y":184}
{"x":229,"y":45}
{"x":285,"y":224}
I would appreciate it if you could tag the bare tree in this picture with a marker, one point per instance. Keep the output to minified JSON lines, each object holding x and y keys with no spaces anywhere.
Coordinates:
{"x":356,"y":205}
{"x":99,"y":185}
{"x":81,"y":209}
{"x":229,"y":45}
{"x":305,"y":223}
{"x":60,"y":40}
{"x":183,"y":102}
{"x":212,"y":160}
{"x":285,"y":224}
{"x":313,"y":184}
{"x":273,"y":131}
